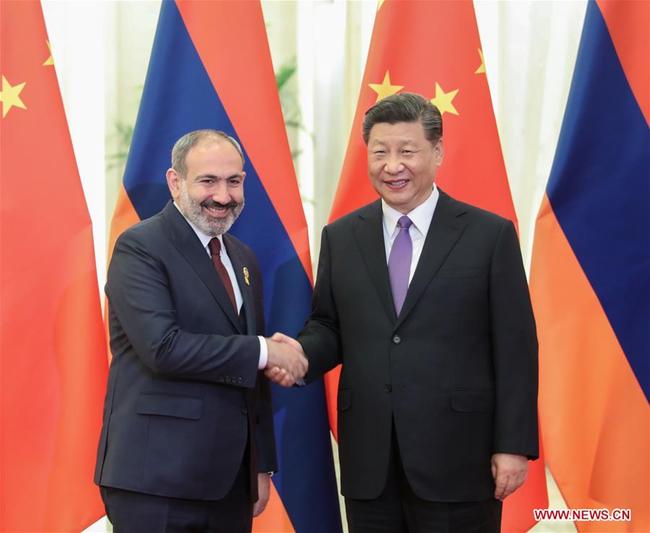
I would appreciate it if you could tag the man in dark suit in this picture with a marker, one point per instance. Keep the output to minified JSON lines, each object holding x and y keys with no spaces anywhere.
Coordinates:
{"x":187,"y":441}
{"x":424,"y":301}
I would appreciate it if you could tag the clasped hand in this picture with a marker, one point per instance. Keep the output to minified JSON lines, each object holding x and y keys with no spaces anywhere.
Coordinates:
{"x":286,"y":362}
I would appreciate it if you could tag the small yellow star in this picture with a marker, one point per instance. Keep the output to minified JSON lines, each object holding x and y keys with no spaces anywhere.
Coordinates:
{"x":10,"y":96}
{"x":50,"y":60}
{"x":444,"y":101}
{"x":379,"y":4}
{"x":385,"y":88}
{"x":481,"y":67}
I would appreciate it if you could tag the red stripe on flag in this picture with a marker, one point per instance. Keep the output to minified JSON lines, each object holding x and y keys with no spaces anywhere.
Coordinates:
{"x":628,"y":23}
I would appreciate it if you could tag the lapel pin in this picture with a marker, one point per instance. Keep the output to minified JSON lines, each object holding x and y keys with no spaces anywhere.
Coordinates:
{"x":247,"y":276}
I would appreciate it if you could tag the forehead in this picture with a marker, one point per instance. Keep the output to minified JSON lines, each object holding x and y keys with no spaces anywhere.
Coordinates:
{"x":384,"y":132}
{"x":212,"y":155}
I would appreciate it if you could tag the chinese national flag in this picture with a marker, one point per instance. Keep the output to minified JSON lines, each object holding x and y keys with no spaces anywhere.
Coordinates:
{"x":433,"y":48}
{"x":52,"y":348}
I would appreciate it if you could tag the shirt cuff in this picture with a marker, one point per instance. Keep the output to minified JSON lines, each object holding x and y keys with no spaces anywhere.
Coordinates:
{"x":264,"y":353}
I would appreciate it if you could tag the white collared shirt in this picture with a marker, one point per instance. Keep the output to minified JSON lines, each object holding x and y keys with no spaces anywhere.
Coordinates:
{"x":421,"y":217}
{"x":227,"y":263}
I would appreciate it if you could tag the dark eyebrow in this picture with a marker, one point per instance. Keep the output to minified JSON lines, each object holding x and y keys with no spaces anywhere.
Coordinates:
{"x":215,"y":177}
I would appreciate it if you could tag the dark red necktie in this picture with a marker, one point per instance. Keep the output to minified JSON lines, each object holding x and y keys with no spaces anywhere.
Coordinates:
{"x":215,"y":251}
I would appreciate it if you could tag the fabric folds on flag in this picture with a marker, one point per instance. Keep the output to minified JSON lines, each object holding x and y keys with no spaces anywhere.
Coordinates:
{"x":590,"y":276}
{"x":211,"y":68}
{"x":433,"y":48}
{"x":52,"y":347}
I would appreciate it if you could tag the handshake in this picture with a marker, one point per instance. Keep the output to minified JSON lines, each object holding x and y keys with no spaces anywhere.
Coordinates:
{"x":286,"y":363}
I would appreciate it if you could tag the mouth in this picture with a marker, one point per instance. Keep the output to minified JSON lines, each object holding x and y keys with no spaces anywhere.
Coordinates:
{"x":396,"y":185}
{"x":217,"y":210}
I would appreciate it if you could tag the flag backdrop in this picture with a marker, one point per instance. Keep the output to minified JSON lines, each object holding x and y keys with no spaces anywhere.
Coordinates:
{"x":52,"y":348}
{"x":211,"y":68}
{"x":590,"y":275}
{"x":433,"y":48}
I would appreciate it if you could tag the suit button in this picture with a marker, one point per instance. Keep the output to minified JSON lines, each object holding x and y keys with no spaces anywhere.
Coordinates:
{"x":397,"y":339}
{"x":388,"y":387}
{"x":244,"y":411}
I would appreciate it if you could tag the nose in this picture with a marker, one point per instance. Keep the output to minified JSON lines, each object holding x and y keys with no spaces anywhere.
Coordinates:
{"x":220,"y":192}
{"x":393,"y":165}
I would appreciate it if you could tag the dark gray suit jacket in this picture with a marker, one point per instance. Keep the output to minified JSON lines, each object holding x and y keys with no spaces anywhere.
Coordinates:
{"x":184,"y":392}
{"x":456,"y":371}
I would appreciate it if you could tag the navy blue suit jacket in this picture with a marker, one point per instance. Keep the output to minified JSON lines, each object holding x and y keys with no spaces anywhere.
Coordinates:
{"x":184,"y":391}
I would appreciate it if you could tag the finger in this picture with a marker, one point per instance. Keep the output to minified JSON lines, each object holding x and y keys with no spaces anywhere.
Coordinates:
{"x":278,"y":376}
{"x":509,"y":488}
{"x":258,"y":508}
{"x":287,"y":381}
{"x":273,"y":373}
{"x":281,"y":337}
{"x":501,"y":483}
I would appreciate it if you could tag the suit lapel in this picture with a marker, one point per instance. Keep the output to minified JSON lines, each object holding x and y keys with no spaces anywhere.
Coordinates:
{"x":189,"y":246}
{"x":243,"y":275}
{"x":444,"y":232}
{"x":369,"y":233}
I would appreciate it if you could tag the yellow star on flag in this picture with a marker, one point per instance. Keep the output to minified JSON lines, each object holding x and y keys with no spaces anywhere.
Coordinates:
{"x":10,"y":96}
{"x":444,"y":101}
{"x":379,"y":4}
{"x":385,"y":88}
{"x":50,"y":60}
{"x":481,"y":67}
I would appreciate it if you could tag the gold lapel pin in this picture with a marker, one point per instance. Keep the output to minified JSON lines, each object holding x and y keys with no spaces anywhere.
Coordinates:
{"x":247,"y":276}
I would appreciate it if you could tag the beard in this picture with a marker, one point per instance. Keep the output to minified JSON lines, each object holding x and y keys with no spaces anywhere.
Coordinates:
{"x":209,"y":225}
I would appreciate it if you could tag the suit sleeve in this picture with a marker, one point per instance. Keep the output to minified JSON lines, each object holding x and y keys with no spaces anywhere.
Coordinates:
{"x":320,"y":337}
{"x":514,"y":347}
{"x":140,"y":299}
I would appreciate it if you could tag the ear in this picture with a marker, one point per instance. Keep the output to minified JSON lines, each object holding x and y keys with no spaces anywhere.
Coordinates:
{"x":173,"y":182}
{"x":438,"y":153}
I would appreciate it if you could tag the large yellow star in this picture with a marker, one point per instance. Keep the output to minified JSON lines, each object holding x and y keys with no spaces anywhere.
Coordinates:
{"x":385,"y":88}
{"x":481,"y":67}
{"x":10,"y":96}
{"x":444,"y":101}
{"x":50,"y":60}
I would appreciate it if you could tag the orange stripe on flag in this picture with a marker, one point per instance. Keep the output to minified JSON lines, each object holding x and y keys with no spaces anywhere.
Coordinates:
{"x":124,"y":217}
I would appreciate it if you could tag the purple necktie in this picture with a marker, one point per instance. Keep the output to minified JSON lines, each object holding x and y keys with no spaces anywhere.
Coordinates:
{"x":399,"y":262}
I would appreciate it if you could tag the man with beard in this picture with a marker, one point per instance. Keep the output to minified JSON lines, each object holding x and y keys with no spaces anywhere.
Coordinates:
{"x":187,"y":440}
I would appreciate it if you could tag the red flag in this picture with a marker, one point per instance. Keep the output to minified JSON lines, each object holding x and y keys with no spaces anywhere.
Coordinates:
{"x":53,"y":356}
{"x":433,"y":48}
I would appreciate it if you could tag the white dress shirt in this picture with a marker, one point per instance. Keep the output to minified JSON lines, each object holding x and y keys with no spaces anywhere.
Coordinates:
{"x":421,"y":218}
{"x":227,"y":263}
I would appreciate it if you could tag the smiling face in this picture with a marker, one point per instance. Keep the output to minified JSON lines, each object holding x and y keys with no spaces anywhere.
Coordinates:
{"x":211,"y":194}
{"x":402,"y":163}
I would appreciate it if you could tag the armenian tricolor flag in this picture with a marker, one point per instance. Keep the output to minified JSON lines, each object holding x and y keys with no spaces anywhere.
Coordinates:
{"x":590,"y":276}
